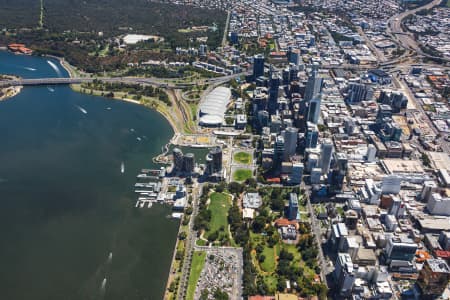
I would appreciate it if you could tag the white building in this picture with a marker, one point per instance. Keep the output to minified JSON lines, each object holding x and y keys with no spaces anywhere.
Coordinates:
{"x":439,"y":205}
{"x":252,"y":200}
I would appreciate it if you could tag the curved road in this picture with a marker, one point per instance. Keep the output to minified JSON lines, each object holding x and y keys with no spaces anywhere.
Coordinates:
{"x":404,"y":38}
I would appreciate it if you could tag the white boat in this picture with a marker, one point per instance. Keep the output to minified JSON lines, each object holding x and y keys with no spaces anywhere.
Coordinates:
{"x":122,"y":168}
{"x":81,"y":109}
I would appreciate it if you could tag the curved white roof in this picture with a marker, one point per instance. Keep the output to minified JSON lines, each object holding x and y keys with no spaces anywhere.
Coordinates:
{"x":210,"y":120}
{"x":216,"y":102}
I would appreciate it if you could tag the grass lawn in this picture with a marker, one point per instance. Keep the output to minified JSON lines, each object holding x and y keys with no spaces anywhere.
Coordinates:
{"x":269,"y":264}
{"x":242,"y":174}
{"x":448,"y":3}
{"x":243,"y":158}
{"x":271,"y":282}
{"x":219,"y":205}
{"x":198,"y":261}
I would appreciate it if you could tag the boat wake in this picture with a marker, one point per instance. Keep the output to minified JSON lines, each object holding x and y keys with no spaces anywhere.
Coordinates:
{"x":50,"y":89}
{"x":30,"y":69}
{"x":54,"y":67}
{"x":81,"y":109}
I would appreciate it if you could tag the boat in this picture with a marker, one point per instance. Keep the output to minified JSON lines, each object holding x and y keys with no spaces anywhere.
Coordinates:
{"x":81,"y":109}
{"x":122,"y":168}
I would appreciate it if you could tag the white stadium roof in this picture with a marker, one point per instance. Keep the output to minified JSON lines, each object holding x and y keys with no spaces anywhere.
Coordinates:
{"x":213,"y":108}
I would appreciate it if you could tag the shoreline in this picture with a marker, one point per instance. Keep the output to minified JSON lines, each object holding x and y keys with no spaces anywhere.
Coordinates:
{"x":77,"y":88}
{"x":8,"y":92}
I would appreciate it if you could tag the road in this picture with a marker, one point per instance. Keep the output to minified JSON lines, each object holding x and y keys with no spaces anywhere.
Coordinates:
{"x":406,"y":39}
{"x":419,"y":107}
{"x":315,"y":227}
{"x":190,"y":243}
{"x":160,"y":82}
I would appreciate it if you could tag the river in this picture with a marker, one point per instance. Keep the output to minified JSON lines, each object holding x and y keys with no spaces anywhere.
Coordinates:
{"x":67,"y":216}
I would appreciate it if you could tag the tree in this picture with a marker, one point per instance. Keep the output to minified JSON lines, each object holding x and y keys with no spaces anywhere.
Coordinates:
{"x":259,"y":248}
{"x":261,"y":258}
{"x":204,"y":294}
{"x":220,"y":295}
{"x":213,"y":236}
{"x":182,"y":235}
{"x":235,"y":187}
{"x":258,"y":224}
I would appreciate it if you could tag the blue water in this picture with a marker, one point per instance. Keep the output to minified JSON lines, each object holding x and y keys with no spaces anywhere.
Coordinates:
{"x":65,"y":205}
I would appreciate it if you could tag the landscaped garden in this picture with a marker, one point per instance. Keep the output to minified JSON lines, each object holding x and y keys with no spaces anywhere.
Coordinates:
{"x":242,"y":175}
{"x":198,"y":261}
{"x":243,"y":158}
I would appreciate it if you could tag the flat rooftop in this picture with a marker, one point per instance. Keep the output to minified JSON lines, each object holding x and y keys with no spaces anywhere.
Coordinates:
{"x":395,"y":166}
{"x":438,"y":265}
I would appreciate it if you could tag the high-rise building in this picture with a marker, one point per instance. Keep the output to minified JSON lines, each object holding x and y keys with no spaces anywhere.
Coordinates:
{"x":400,"y":248}
{"x":349,"y":126}
{"x":290,"y":142}
{"x":371,"y":153}
{"x":293,"y":206}
{"x":297,"y":173}
{"x":177,"y":160}
{"x":216,"y":154}
{"x":439,"y":204}
{"x":433,"y":278}
{"x":279,"y":149}
{"x":391,"y":184}
{"x":314,"y":109}
{"x":325,"y":155}
{"x":295,"y":56}
{"x":293,"y":72}
{"x":344,"y":274}
{"x":258,"y":66}
{"x":214,"y":160}
{"x":358,"y":92}
{"x":189,"y":163}
{"x":314,"y":85}
{"x":274,"y":89}
{"x":312,"y":135}
{"x":234,"y":38}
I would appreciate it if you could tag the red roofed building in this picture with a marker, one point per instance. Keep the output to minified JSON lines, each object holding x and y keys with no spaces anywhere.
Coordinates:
{"x":19,"y":48}
{"x":282,"y":222}
{"x":442,"y":254}
{"x":258,"y":297}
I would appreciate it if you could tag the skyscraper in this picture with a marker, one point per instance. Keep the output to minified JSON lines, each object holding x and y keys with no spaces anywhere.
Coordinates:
{"x":312,"y":135}
{"x":293,"y":206}
{"x":358,"y":92}
{"x":274,"y":87}
{"x":279,"y":149}
{"x":290,"y":142}
{"x":258,"y":66}
{"x":214,"y":160}
{"x":325,"y":155}
{"x":189,"y":163}
{"x":314,"y":109}
{"x":177,"y":160}
{"x":314,"y":85}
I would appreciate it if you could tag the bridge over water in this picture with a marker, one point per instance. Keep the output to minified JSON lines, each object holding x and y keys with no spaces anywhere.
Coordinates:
{"x":160,"y":82}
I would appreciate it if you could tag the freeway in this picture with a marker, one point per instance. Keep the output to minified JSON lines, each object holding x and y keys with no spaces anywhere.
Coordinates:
{"x":404,"y":38}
